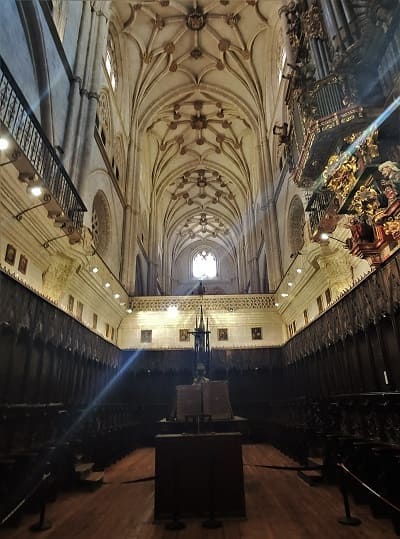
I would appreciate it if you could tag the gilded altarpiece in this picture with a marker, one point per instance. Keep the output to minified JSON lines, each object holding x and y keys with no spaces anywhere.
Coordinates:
{"x":368,"y":192}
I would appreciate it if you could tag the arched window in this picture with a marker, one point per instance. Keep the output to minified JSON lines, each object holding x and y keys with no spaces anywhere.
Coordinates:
{"x":103,"y":121}
{"x":111,"y":64}
{"x":281,"y":65}
{"x":101,"y":223}
{"x":204,"y":265}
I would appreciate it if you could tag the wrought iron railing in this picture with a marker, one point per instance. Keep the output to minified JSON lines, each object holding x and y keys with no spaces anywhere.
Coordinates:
{"x":317,"y":206}
{"x":18,"y":118}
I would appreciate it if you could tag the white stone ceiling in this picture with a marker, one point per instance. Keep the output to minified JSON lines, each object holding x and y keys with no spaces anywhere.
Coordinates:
{"x":199,"y":72}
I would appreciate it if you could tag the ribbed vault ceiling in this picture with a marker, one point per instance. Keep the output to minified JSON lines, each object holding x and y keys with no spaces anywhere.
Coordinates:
{"x":199,"y":79}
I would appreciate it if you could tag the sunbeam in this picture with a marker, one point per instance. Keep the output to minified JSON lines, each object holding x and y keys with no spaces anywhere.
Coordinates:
{"x":360,"y":140}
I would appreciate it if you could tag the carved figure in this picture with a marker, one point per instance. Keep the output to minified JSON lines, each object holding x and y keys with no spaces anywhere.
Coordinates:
{"x":365,"y":201}
{"x":390,"y":170}
{"x":391,"y":184}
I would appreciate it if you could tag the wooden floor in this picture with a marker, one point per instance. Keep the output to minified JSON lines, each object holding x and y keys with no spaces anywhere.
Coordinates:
{"x":279,"y":506}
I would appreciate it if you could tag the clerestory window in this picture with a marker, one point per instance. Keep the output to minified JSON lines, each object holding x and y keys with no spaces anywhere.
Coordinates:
{"x":111,"y":64}
{"x":282,"y":64}
{"x":204,"y":265}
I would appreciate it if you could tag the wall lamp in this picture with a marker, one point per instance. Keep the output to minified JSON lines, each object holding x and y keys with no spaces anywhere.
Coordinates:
{"x":67,"y":232}
{"x":324,"y":236}
{"x":4,"y":144}
{"x":46,"y":200}
{"x":14,"y":157}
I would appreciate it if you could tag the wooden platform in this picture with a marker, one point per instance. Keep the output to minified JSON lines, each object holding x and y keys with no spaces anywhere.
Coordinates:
{"x":279,"y":506}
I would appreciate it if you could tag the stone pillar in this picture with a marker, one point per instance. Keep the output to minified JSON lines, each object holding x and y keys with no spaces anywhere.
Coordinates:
{"x":131,"y":213}
{"x":75,"y":98}
{"x":93,"y":87}
{"x":252,"y":250}
{"x":270,"y":221}
{"x":153,"y":248}
{"x":242,"y":266}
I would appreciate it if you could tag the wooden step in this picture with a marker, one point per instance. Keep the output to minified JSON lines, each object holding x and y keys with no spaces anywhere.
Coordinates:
{"x":83,"y":469}
{"x":93,"y":480}
{"x":315,"y":461}
{"x":312,"y":477}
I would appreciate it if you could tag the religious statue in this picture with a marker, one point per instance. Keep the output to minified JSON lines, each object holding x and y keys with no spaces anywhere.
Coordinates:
{"x":391,"y":182}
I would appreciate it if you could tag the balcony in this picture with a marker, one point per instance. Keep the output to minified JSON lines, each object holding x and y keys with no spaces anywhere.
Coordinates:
{"x":36,"y":159}
{"x":322,"y":208}
{"x":327,"y":113}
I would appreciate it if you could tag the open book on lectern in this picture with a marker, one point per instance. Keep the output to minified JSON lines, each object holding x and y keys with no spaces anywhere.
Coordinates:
{"x":205,"y":399}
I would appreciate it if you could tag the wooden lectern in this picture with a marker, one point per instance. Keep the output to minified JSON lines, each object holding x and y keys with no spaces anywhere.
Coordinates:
{"x":199,"y":474}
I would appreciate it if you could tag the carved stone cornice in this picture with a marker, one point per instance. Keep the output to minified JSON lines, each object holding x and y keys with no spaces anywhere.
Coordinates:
{"x":214,"y":303}
{"x":337,"y":268}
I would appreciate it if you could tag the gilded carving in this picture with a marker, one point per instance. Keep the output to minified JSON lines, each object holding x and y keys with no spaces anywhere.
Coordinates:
{"x":365,"y":201}
{"x":368,"y":148}
{"x":312,"y":24}
{"x":293,"y":23}
{"x":340,"y":175}
{"x":392,"y":227}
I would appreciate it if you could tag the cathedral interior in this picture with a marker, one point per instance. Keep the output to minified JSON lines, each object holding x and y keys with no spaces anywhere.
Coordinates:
{"x":199,"y":194}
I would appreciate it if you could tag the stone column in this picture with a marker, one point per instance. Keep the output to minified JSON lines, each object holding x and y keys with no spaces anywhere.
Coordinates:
{"x":270,"y":221}
{"x":75,"y":95}
{"x":131,"y":213}
{"x":252,"y":249}
{"x":93,"y":87}
{"x":153,"y":248}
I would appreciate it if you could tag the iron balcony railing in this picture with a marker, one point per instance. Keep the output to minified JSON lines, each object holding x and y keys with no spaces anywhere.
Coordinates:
{"x":317,"y":207}
{"x":17,"y":117}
